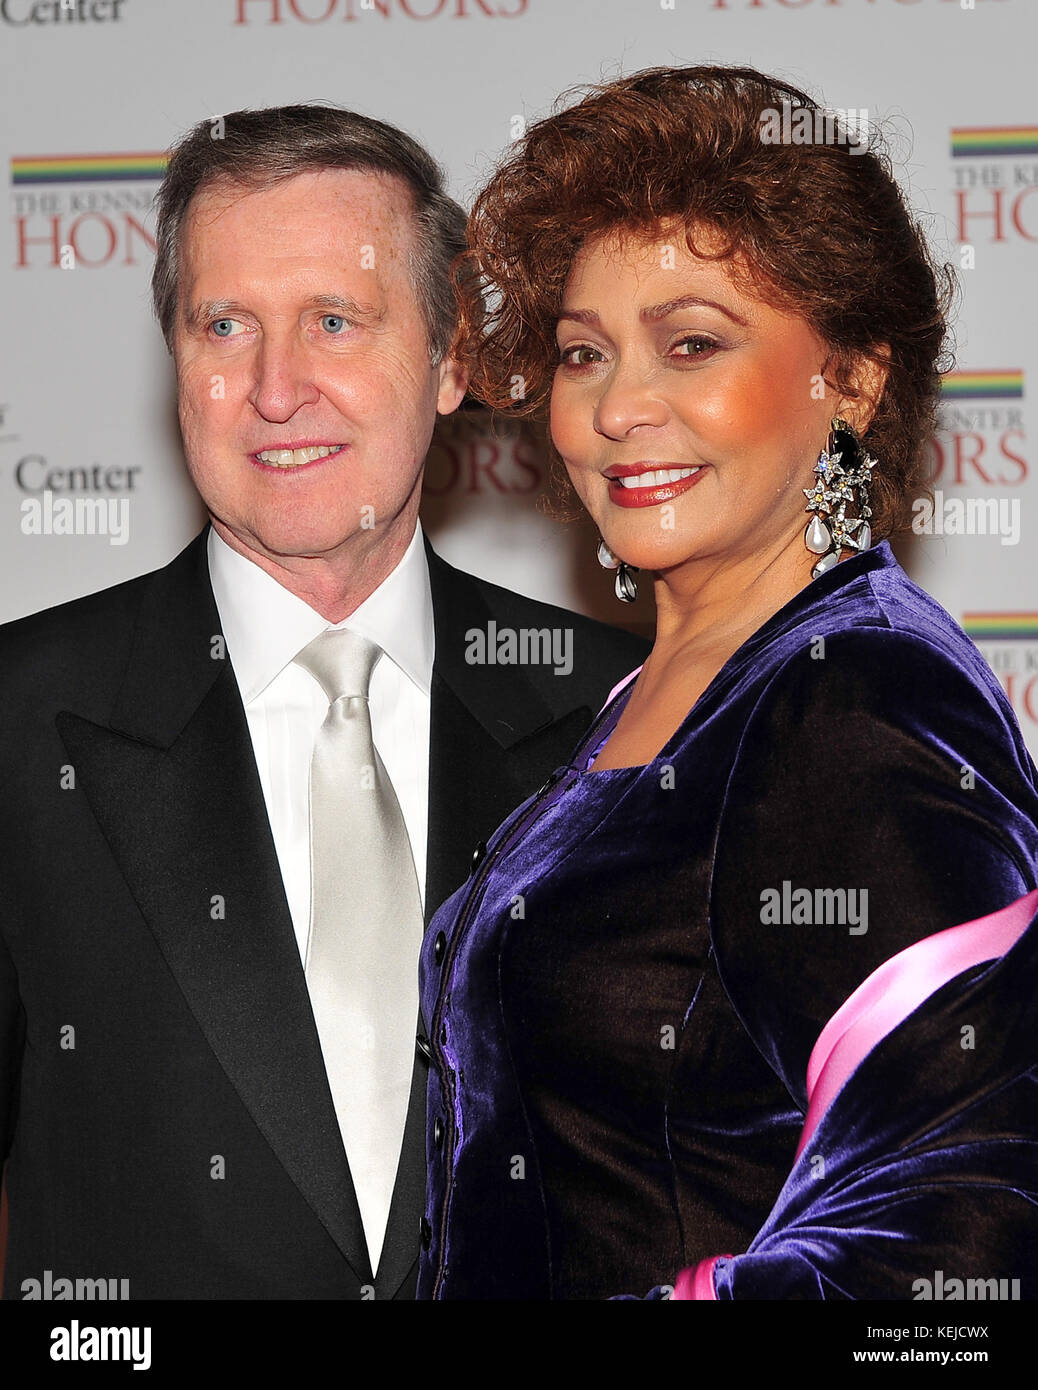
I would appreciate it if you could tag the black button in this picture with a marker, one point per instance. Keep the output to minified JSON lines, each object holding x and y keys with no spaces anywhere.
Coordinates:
{"x":438,"y":1132}
{"x":426,"y":1234}
{"x":478,"y":855}
{"x":423,"y":1046}
{"x":443,"y":1035}
{"x":439,"y":947}
{"x":553,"y":777}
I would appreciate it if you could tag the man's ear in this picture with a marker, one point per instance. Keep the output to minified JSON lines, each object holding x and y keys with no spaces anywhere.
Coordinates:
{"x":868,"y":377}
{"x":454,"y":380}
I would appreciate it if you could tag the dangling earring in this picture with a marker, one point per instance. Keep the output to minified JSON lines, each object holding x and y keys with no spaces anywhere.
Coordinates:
{"x":843,"y":466}
{"x":626,"y":585}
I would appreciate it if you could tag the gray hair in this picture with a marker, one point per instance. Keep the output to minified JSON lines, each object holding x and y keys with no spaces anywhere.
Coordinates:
{"x":256,"y":149}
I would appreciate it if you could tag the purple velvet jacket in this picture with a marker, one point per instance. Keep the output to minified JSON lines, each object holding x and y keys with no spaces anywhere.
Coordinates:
{"x":623,"y":999}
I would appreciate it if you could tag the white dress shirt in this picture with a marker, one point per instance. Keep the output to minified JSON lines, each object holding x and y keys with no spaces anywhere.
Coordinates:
{"x":265,"y":627}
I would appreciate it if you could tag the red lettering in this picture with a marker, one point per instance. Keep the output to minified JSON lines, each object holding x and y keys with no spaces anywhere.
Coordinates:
{"x":73,"y":236}
{"x":1030,"y":708}
{"x":968,"y":450}
{"x":441,"y":452}
{"x":293,"y":5}
{"x":528,"y":457}
{"x":25,"y":241}
{"x":476,"y":467}
{"x":273,"y":5}
{"x":132,"y":225}
{"x":1017,"y":223}
{"x":1021,"y":463}
{"x":933,"y":447}
{"x":1028,"y":701}
{"x":962,"y":461}
{"x":963,"y":214}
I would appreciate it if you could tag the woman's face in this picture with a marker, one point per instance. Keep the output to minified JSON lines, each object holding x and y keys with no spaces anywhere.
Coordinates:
{"x":666,"y":367}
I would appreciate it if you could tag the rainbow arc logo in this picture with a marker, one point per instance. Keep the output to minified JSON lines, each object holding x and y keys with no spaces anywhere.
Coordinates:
{"x":33,"y":170}
{"x":993,"y":142}
{"x":1001,"y":627}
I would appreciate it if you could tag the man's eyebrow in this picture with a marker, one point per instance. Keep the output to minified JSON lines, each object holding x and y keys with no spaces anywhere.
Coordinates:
{"x":654,"y":312}
{"x":207,"y":310}
{"x":347,"y":308}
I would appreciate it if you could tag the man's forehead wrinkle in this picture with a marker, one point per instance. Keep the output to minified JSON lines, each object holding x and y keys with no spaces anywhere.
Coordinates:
{"x":219,"y":195}
{"x":391,"y":224}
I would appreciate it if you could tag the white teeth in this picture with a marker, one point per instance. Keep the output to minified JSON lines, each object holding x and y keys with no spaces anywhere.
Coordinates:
{"x":292,"y":458}
{"x":657,"y":477}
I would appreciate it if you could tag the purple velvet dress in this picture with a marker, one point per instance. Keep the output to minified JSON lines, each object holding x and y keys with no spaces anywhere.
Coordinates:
{"x":623,"y":998}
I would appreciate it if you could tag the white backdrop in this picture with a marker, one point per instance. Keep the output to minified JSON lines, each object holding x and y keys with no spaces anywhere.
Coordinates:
{"x":96,"y":90}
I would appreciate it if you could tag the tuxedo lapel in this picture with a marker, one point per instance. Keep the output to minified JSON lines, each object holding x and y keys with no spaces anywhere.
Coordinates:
{"x":173,"y":784}
{"x":482,"y":718}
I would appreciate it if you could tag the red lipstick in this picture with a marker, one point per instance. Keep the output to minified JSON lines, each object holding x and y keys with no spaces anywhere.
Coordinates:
{"x":656,"y":493}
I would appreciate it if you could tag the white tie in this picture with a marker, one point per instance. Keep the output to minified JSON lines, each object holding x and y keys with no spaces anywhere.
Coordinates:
{"x":365,"y":927}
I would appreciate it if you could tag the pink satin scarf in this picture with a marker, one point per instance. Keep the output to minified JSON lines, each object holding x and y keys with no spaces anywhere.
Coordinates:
{"x":882,"y":1001}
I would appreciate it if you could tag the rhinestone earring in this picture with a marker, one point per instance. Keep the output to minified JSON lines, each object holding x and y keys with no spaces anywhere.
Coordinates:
{"x":843,"y":466}
{"x":626,"y":585}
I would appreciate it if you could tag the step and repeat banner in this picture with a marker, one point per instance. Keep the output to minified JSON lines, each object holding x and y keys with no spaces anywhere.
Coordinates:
{"x":95,"y":91}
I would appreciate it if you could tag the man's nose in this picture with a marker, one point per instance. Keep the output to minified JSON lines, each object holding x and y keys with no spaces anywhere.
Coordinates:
{"x":284,"y":378}
{"x":629,"y":397}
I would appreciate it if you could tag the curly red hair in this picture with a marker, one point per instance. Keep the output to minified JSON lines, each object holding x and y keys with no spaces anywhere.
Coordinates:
{"x":817,"y":229}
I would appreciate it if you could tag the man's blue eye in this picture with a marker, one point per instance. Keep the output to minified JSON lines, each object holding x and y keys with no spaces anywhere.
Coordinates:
{"x":333,"y":323}
{"x":223,"y":328}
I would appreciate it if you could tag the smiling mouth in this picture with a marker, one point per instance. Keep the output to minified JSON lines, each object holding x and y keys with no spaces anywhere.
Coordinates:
{"x":297,"y":458}
{"x":639,"y":485}
{"x":656,"y":477}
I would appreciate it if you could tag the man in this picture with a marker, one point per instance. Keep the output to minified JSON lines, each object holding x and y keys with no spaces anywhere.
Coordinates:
{"x":216,"y":842}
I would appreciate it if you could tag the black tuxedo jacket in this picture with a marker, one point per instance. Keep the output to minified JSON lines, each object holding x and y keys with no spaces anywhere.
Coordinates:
{"x":164,"y":1111}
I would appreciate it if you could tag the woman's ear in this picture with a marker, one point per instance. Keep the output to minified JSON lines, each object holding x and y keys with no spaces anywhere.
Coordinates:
{"x":868,"y":378}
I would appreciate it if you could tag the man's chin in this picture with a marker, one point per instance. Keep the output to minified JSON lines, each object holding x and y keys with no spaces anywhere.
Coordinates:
{"x":285,"y":542}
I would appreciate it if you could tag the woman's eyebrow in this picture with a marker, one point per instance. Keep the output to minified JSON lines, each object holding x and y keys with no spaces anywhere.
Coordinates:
{"x":654,"y":312}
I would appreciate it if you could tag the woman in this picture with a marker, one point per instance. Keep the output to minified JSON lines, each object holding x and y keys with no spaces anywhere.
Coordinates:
{"x":724,"y":926}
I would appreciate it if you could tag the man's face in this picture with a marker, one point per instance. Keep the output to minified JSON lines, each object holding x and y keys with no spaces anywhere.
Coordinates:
{"x":306,"y":391}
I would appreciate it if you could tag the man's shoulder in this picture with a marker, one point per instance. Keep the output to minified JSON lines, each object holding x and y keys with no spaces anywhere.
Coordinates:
{"x":519,"y":609}
{"x":532,"y":612}
{"x":492,"y":624}
{"x":86,"y":639}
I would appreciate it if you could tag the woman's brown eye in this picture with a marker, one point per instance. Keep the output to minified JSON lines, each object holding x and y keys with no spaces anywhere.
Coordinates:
{"x":698,"y":345}
{"x":575,"y":356}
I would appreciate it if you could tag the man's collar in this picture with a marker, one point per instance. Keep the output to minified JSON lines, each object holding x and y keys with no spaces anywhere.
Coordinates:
{"x":265,"y":626}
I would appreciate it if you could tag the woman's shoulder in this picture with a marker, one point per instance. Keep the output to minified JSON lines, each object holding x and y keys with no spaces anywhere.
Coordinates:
{"x":881,"y":792}
{"x":877,"y":645}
